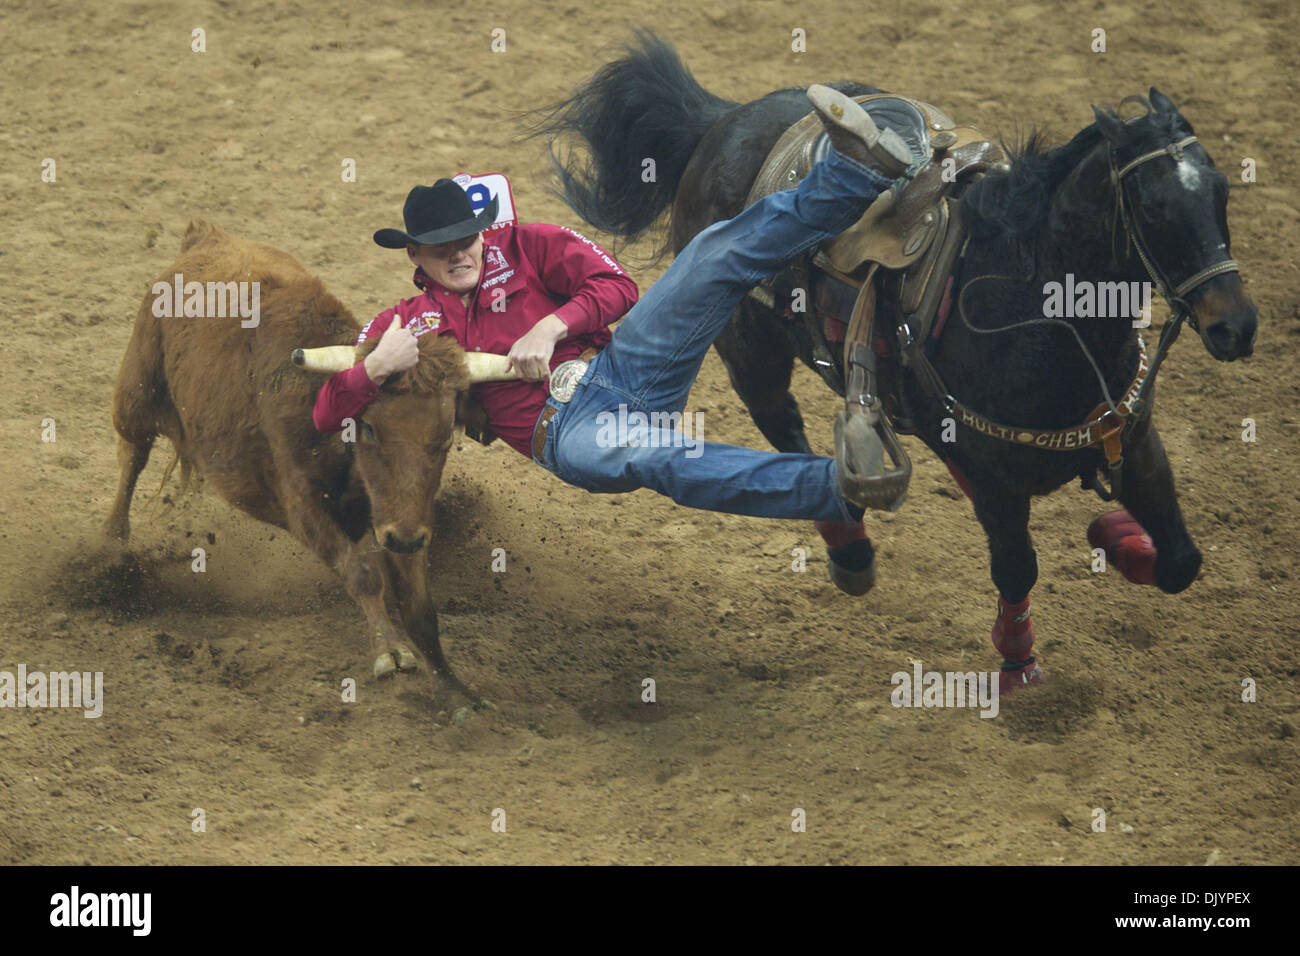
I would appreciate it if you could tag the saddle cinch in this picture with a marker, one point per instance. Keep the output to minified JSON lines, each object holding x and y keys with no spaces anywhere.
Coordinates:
{"x":898,"y":256}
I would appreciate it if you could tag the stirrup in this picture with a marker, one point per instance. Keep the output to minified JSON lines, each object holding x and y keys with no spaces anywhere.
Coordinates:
{"x":885,"y":490}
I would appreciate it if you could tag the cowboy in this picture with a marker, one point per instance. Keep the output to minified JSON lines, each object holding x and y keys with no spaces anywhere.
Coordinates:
{"x":648,"y":366}
{"x":541,"y":294}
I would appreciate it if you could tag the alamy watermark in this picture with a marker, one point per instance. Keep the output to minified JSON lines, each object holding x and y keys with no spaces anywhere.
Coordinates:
{"x":212,"y":300}
{"x":75,"y":908}
{"x":946,"y":689}
{"x":1098,"y":300}
{"x":80,"y":689}
{"x":624,"y":429}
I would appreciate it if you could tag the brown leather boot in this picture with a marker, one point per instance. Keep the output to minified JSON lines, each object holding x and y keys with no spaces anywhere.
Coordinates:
{"x":853,"y":133}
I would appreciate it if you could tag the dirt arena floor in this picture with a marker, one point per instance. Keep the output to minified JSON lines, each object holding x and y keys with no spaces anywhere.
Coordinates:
{"x":222,"y":689}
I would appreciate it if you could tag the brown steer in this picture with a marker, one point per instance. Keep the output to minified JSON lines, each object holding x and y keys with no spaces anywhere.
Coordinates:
{"x":240,"y":412}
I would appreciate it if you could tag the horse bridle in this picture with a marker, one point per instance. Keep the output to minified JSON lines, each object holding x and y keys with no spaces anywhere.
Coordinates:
{"x":1173,"y":294}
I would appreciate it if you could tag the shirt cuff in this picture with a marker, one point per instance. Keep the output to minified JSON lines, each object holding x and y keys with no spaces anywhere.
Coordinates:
{"x":574,"y":316}
{"x":357,"y":381}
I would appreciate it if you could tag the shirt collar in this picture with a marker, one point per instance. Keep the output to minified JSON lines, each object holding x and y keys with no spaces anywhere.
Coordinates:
{"x":423,"y":282}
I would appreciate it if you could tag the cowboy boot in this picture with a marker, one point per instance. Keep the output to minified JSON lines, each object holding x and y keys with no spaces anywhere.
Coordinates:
{"x":853,"y":133}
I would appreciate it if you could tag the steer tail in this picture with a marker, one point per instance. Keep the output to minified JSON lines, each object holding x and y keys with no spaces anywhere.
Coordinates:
{"x":167,"y":473}
{"x":187,"y":475}
{"x":643,"y":107}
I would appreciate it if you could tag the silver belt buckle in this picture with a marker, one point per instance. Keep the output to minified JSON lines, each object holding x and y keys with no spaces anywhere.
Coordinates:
{"x":565,"y":379}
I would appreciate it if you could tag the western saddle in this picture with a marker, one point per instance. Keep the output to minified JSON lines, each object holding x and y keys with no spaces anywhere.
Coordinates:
{"x":899,"y":256}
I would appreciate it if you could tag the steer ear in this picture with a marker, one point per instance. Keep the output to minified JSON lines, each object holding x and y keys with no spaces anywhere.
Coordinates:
{"x":328,"y":359}
{"x":486,"y":367}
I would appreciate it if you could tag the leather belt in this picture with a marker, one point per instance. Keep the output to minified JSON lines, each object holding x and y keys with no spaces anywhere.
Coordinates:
{"x":539,"y":430}
{"x":539,"y":433}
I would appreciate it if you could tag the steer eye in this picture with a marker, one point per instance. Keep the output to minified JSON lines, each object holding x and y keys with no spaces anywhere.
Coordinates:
{"x":368,"y":433}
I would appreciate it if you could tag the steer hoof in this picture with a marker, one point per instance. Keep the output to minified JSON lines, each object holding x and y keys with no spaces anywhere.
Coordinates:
{"x":398,"y":659}
{"x":464,"y":713}
{"x":406,"y":659}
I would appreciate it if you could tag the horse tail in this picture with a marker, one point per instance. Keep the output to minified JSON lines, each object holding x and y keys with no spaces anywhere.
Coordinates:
{"x":643,"y":107}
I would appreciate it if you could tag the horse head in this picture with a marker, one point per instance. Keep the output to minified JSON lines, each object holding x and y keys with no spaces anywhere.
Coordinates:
{"x":1171,"y":213}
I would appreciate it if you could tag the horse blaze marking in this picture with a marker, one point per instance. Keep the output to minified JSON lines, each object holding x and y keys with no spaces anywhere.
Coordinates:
{"x":1189,"y":176}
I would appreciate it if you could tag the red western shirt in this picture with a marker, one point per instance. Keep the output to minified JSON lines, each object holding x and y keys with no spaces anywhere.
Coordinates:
{"x":529,"y":271}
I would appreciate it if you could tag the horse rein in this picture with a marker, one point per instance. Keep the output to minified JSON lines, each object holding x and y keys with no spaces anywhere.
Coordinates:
{"x":1120,"y":417}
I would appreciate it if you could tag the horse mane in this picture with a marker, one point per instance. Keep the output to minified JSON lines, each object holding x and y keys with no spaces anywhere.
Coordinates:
{"x":1013,"y":205}
{"x":441,"y":366}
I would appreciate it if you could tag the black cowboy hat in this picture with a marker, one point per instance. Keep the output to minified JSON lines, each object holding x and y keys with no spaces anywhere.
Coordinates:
{"x":438,"y":213}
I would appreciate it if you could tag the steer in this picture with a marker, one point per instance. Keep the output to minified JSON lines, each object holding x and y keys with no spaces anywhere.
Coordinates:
{"x":239,"y":412}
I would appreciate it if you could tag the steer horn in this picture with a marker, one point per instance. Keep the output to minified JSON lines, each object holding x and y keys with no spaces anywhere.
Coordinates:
{"x":483,"y":366}
{"x":487,"y":367}
{"x":329,"y":358}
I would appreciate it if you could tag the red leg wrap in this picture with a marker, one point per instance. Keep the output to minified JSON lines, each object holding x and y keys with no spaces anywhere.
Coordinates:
{"x":837,"y":535}
{"x":1014,"y":640}
{"x":1013,"y":631}
{"x":1127,"y":545}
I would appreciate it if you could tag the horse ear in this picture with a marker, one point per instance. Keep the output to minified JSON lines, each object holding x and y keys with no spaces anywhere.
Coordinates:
{"x":1161,"y":103}
{"x":1110,"y":125}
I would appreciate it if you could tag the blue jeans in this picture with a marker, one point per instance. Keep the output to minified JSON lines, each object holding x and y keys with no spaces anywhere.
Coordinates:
{"x":625,"y":429}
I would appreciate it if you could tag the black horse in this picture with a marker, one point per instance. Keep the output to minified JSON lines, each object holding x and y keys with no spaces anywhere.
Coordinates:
{"x":1053,"y":212}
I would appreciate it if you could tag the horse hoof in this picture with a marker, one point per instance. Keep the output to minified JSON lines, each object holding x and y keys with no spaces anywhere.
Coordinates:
{"x":851,"y":581}
{"x":385,"y":666}
{"x":406,"y":659}
{"x":1026,"y":676}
